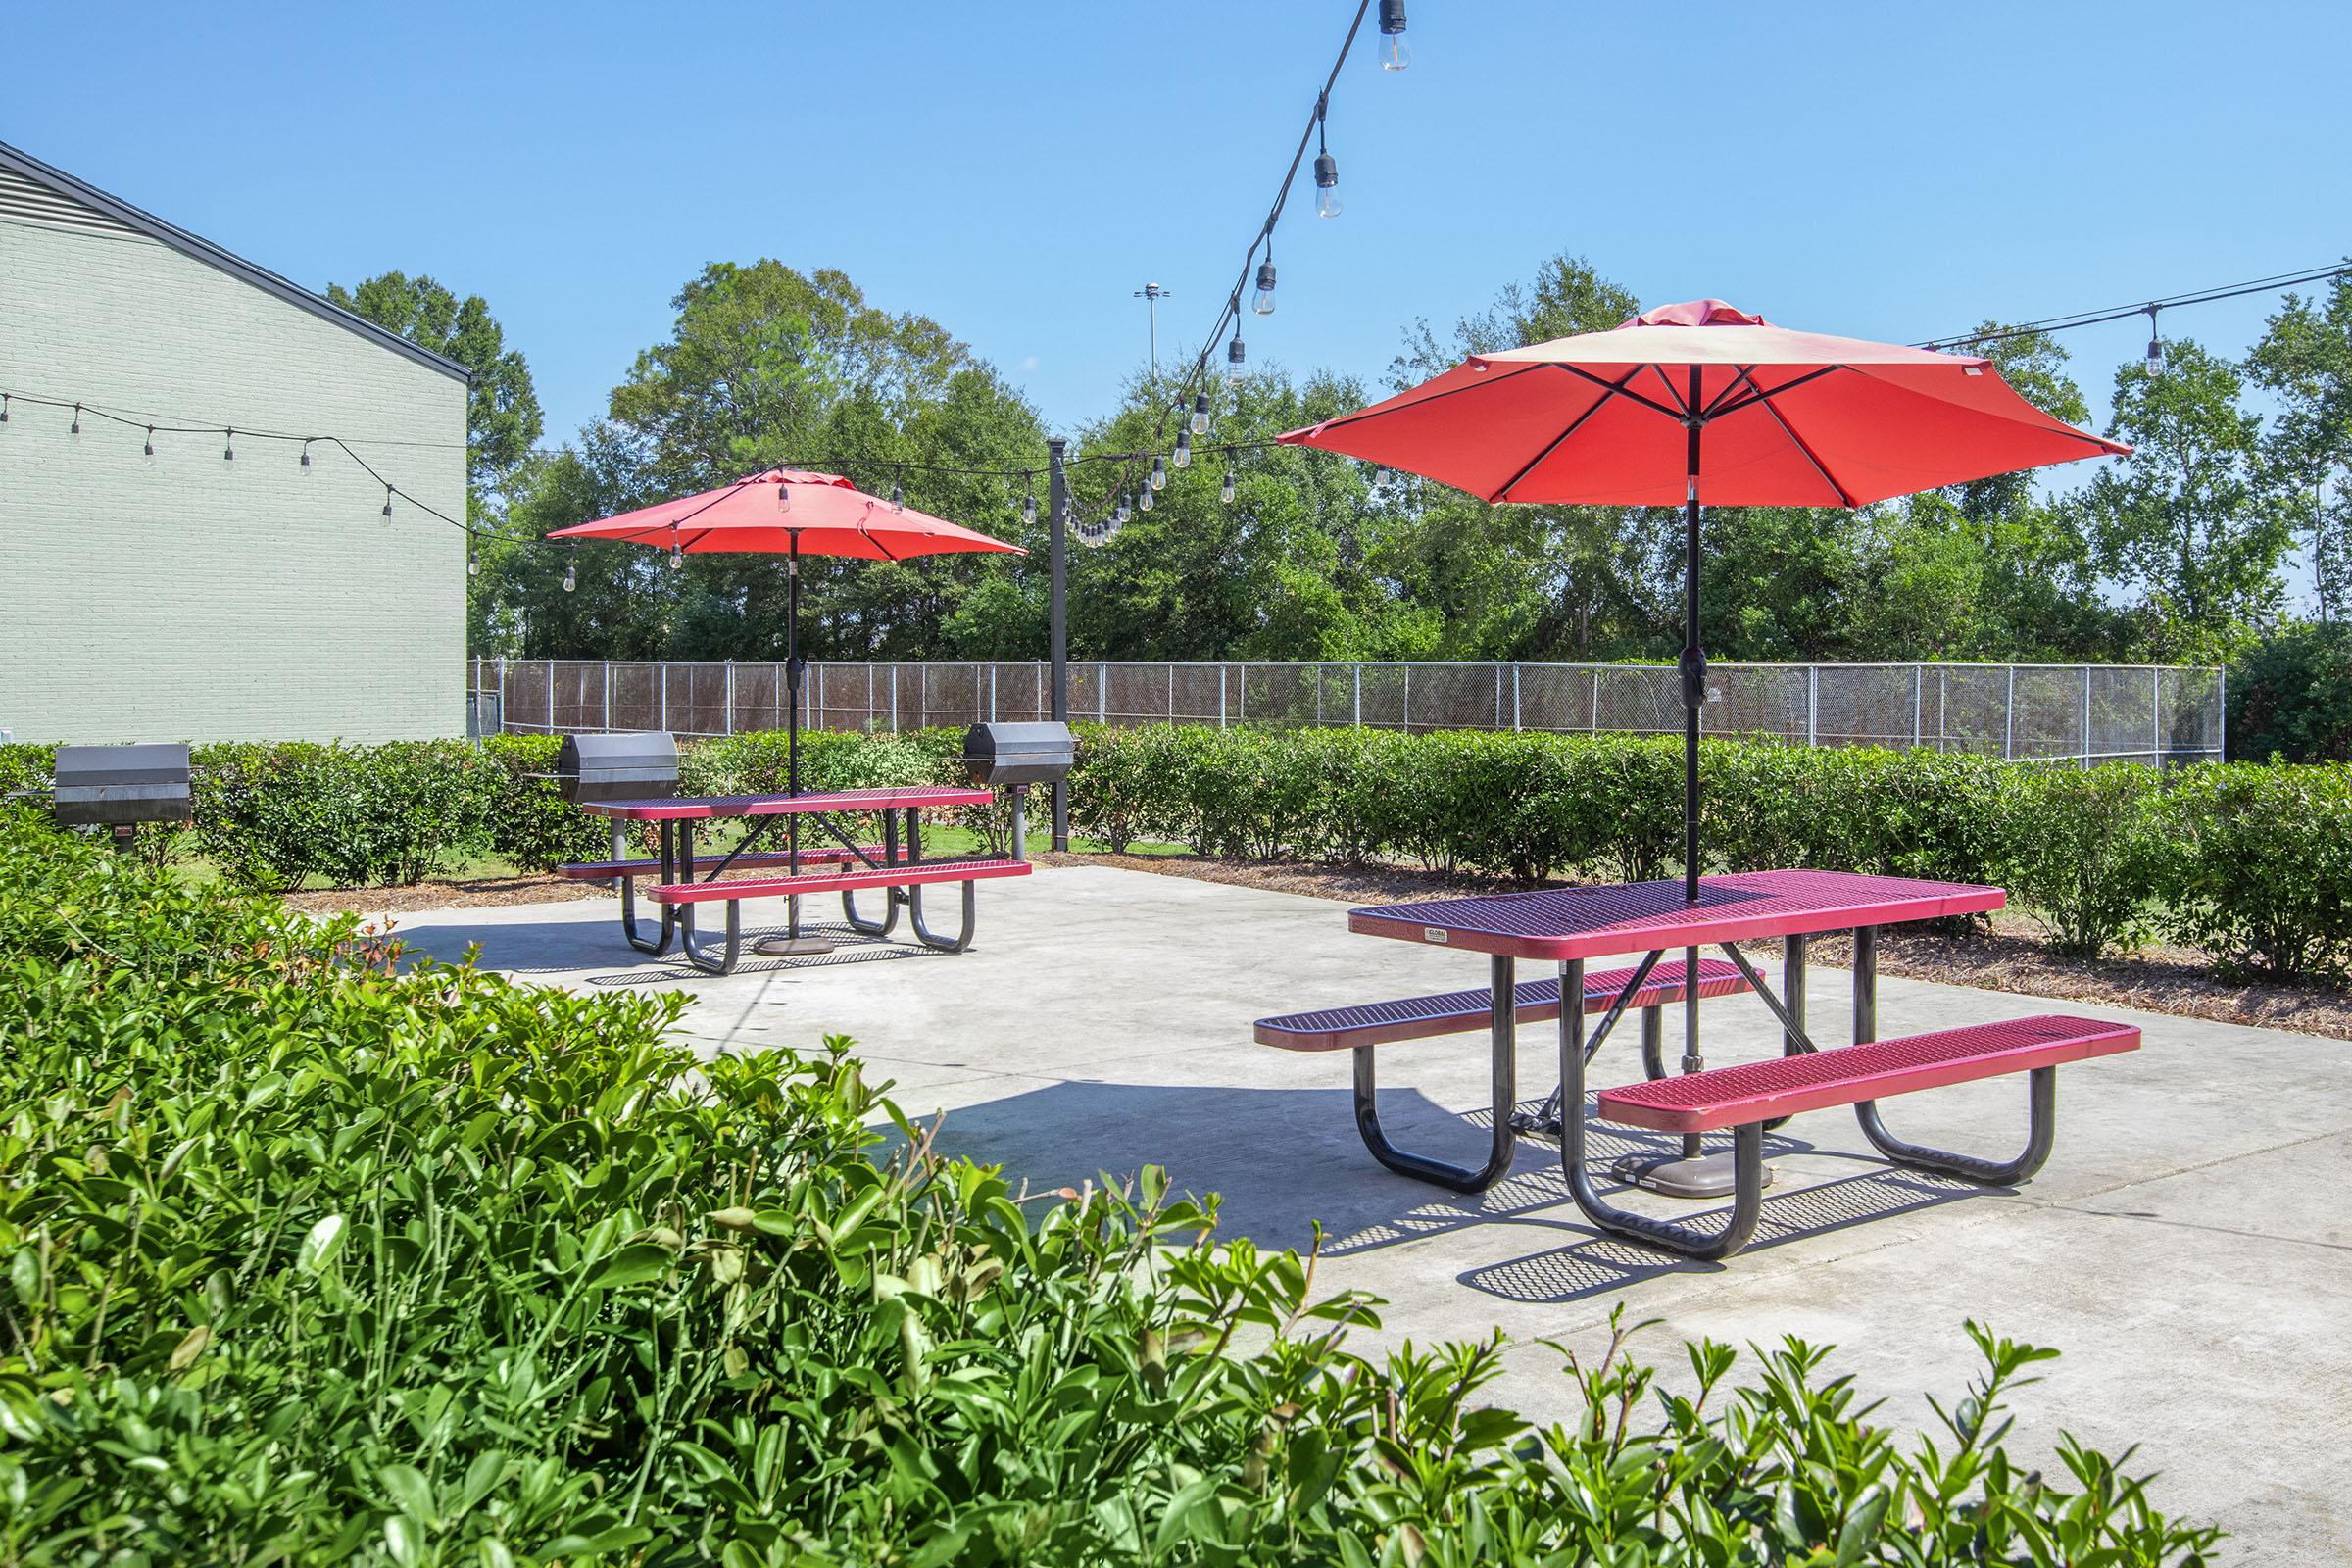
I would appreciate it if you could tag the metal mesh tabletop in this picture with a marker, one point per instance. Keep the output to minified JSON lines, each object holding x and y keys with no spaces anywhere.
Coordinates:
{"x":1562,"y":924}
{"x":706,"y":805}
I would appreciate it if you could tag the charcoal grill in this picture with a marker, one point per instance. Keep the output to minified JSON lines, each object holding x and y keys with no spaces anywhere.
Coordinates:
{"x":635,"y":765}
{"x":119,"y":787}
{"x":1014,"y":756}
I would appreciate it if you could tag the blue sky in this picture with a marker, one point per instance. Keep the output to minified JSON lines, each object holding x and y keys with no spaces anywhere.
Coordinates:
{"x":1017,"y":170}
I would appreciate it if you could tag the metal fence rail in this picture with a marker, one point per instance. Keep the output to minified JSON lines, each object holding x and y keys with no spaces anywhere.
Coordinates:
{"x":2081,"y":712}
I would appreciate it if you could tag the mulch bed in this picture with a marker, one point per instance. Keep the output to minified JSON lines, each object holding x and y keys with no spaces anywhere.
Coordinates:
{"x":463,"y":892}
{"x":2011,"y":958}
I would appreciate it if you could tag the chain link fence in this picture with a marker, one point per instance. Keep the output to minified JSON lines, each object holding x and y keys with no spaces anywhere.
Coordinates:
{"x":2082,"y":713}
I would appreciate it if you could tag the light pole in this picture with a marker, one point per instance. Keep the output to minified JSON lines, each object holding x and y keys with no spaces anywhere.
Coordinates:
{"x":1058,"y":556}
{"x":1152,"y":294}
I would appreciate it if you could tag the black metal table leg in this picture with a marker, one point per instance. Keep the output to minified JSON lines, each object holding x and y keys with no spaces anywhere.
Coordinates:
{"x":890,"y":895}
{"x":2042,"y":1097}
{"x":1502,"y":1023}
{"x":628,"y":893}
{"x":1748,"y":1161}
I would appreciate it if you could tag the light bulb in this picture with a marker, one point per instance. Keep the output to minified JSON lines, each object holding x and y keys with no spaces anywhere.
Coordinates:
{"x":387,"y":500}
{"x":1159,"y":477}
{"x":1380,"y":476}
{"x":1145,"y":501}
{"x":1123,"y":510}
{"x":1029,"y":509}
{"x":898,"y":496}
{"x":1395,"y":53}
{"x":228,"y":449}
{"x":1326,"y":185}
{"x":1235,"y":354}
{"x":677,"y":557}
{"x":473,"y":565}
{"x":3,"y":408}
{"x":1225,"y":491}
{"x":2155,"y":344}
{"x":572,"y":576}
{"x":77,"y":426}
{"x":306,"y":454}
{"x":1262,"y":302}
{"x":1184,"y":449}
{"x":1200,"y":414}
{"x":783,"y":498}
{"x":151,"y":443}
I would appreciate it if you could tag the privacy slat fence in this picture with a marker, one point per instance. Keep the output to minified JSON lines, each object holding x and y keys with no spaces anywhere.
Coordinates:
{"x":2082,"y":713}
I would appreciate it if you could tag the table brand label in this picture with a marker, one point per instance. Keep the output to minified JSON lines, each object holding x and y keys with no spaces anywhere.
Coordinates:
{"x":1435,"y":933}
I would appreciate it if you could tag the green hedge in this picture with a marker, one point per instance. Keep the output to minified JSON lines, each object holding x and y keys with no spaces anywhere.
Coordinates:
{"x":309,"y":1257}
{"x":2252,"y":862}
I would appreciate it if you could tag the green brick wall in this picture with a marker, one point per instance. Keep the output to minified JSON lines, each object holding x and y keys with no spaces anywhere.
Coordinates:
{"x":189,"y":597}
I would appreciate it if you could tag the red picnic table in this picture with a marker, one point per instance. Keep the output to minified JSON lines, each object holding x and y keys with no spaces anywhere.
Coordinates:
{"x":845,"y":867}
{"x":1569,"y":925}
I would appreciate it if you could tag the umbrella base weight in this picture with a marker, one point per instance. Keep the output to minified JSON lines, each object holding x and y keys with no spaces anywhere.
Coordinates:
{"x":1675,"y":1176}
{"x":793,"y":947}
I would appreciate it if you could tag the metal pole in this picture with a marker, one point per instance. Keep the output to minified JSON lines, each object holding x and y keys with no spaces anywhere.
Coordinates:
{"x":2009,"y":719}
{"x":551,"y":697}
{"x":1058,"y":651}
{"x":608,"y":695}
{"x":1919,"y":697}
{"x":1171,"y":694}
{"x":894,"y":699}
{"x":730,"y":698}
{"x":991,"y":694}
{"x":791,"y":687}
{"x":1408,"y":717}
{"x":1103,"y":693}
{"x":1220,"y":696}
{"x":1812,"y":704}
{"x":1693,"y":664}
{"x":502,"y":694}
{"x":1514,"y":696}
{"x":1359,"y":694}
{"x":2221,"y":716}
{"x":2155,"y":717}
{"x":1596,"y":699}
{"x":2084,"y":736}
{"x":661,"y":669}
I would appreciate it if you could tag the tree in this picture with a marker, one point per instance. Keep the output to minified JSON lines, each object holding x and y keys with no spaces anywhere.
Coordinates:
{"x":2186,"y":524}
{"x":2305,"y":357}
{"x":1994,"y":569}
{"x":768,"y":366}
{"x":503,"y":421}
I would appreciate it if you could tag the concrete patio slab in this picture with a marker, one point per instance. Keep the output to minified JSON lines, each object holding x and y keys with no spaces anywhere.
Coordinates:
{"x":2188,"y":1246}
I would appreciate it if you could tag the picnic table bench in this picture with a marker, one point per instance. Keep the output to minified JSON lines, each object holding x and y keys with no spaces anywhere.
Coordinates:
{"x":896,"y":866}
{"x":1570,"y":925}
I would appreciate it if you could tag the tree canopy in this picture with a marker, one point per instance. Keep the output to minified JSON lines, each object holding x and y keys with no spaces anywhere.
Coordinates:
{"x":2175,"y":553}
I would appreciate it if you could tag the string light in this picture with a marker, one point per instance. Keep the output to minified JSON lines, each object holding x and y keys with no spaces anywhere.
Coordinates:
{"x":1143,"y":500}
{"x":1200,"y":414}
{"x":1123,"y":511}
{"x":3,"y":408}
{"x":228,"y":454}
{"x":1160,"y":475}
{"x":150,"y":453}
{"x":1395,"y":53}
{"x":1262,"y":302}
{"x":306,"y":454}
{"x":1327,"y":168}
{"x":76,"y":425}
{"x":1029,"y":510}
{"x":387,"y":500}
{"x":898,"y":496}
{"x":1380,"y":476}
{"x":572,"y":576}
{"x":783,"y":497}
{"x":473,"y":565}
{"x":1235,"y":354}
{"x":2155,"y":344}
{"x":677,"y":552}
{"x":1182,"y":458}
{"x":1225,"y":490}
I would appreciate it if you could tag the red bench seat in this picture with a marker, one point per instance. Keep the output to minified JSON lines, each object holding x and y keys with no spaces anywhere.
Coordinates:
{"x":1846,"y":1075}
{"x":905,"y":874}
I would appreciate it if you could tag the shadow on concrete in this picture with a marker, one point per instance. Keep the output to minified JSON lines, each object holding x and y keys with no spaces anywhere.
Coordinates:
{"x":1603,"y":1263}
{"x":545,"y":949}
{"x":1282,"y":1159}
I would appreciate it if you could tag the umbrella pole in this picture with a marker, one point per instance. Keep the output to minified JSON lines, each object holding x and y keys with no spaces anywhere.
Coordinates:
{"x":792,"y":943}
{"x":1692,"y":1173}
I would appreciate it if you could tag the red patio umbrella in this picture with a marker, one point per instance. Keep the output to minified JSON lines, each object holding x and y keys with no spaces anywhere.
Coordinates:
{"x":1700,"y":403}
{"x":795,"y":514}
